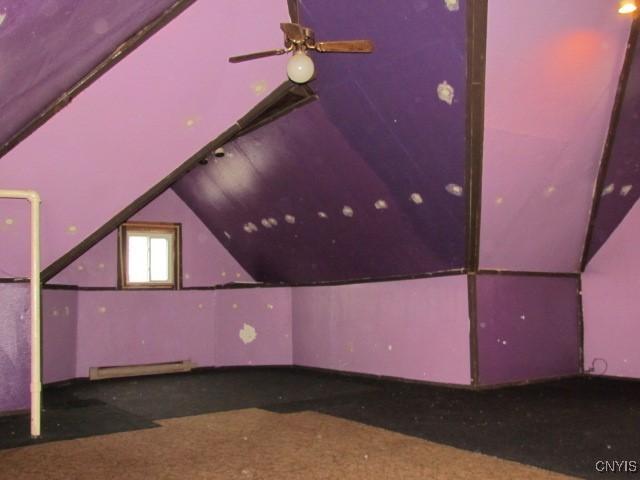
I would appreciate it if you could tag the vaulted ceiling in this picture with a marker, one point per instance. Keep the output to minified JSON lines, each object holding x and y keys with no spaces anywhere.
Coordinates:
{"x":369,"y":180}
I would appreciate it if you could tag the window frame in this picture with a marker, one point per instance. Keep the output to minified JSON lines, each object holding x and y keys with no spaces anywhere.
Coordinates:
{"x":162,"y":228}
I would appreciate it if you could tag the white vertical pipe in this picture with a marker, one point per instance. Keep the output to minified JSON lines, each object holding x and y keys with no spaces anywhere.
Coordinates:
{"x":36,"y":375}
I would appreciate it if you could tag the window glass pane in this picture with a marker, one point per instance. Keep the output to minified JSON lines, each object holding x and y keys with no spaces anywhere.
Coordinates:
{"x":138,"y":258}
{"x":159,"y":259}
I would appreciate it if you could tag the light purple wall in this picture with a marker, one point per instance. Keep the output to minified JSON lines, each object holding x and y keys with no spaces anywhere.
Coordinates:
{"x":129,"y":328}
{"x":142,"y":119}
{"x":59,"y":334}
{"x":611,"y":287}
{"x":413,"y":329}
{"x":14,"y":346}
{"x":268,"y":312}
{"x":15,"y":218}
{"x":205,"y":261}
{"x":552,"y":74}
{"x":527,"y":327}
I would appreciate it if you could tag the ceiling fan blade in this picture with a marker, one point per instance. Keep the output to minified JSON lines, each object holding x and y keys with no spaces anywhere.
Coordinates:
{"x":293,"y":31}
{"x":346,"y":46}
{"x":253,"y":56}
{"x":294,"y":11}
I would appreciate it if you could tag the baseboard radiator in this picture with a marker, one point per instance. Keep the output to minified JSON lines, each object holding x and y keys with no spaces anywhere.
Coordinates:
{"x":102,"y":373}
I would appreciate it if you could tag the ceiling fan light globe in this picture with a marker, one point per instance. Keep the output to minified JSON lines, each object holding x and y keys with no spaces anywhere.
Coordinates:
{"x":300,"y":68}
{"x":627,"y":6}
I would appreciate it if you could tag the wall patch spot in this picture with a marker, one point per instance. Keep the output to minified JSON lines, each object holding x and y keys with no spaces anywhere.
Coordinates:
{"x":390,"y":347}
{"x":237,"y":275}
{"x":608,"y":189}
{"x":102,"y":309}
{"x":269,"y":306}
{"x":235,"y":306}
{"x":624,"y":190}
{"x":259,"y":87}
{"x":224,"y":274}
{"x":380,"y":205}
{"x":187,"y":276}
{"x":483,"y":325}
{"x":499,"y":200}
{"x":504,"y":342}
{"x":228,"y":235}
{"x":8,"y":221}
{"x":446,"y":93}
{"x":250,"y":227}
{"x":452,"y":5}
{"x":67,"y":311}
{"x":290,"y":219}
{"x":101,"y":266}
{"x":273,"y":221}
{"x":72,"y":229}
{"x":454,"y":189}
{"x":55,"y":312}
{"x":522,"y":317}
{"x":247,"y":334}
{"x":347,"y":211}
{"x":3,"y":16}
{"x":200,"y":306}
{"x":416,"y":198}
{"x":266,"y":223}
{"x":322,"y":215}
{"x":80,"y":268}
{"x":549,"y":191}
{"x":190,"y":122}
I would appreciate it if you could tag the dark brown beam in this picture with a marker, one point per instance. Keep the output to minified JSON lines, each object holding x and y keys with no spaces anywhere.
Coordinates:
{"x":476,"y":67}
{"x":611,"y":136}
{"x":116,"y":56}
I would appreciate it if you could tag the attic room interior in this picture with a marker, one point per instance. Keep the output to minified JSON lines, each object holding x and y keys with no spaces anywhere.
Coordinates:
{"x":398,"y":241}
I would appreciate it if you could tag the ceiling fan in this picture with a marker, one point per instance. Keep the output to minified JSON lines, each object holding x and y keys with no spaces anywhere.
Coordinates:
{"x":298,"y":39}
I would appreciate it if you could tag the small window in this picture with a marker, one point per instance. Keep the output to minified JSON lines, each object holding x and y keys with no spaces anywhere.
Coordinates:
{"x":149,"y":255}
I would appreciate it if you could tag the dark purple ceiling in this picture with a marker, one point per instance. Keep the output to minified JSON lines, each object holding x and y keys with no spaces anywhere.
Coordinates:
{"x":379,"y":132}
{"x":46,"y":46}
{"x":621,"y":187}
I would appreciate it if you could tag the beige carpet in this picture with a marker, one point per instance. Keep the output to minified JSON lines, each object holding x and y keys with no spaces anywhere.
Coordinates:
{"x":256,"y":444}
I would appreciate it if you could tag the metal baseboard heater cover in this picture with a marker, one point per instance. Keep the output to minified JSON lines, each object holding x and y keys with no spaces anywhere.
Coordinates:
{"x":102,"y":373}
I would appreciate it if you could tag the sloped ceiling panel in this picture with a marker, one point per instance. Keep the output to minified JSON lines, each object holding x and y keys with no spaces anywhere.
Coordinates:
{"x":47,"y":46}
{"x":369,"y":180}
{"x":141,"y":120}
{"x":621,"y":187}
{"x":552,"y":73}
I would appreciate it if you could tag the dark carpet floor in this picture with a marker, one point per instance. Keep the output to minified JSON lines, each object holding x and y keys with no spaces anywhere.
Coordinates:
{"x":565,"y":425}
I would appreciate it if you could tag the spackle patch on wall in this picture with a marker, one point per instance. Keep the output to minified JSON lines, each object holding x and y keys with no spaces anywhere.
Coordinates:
{"x":250,"y":227}
{"x":454,"y":189}
{"x":72,"y":229}
{"x":290,"y":219}
{"x":259,"y":87}
{"x":347,"y":211}
{"x":322,"y":215}
{"x":549,"y":191}
{"x":380,"y":205}
{"x":624,"y":190}
{"x":416,"y":198}
{"x":8,"y":221}
{"x":3,"y":16}
{"x":452,"y":5}
{"x":446,"y":93}
{"x":247,"y":334}
{"x":608,"y":189}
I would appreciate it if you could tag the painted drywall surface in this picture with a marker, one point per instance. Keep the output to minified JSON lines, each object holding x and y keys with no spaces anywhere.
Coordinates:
{"x":59,"y":334}
{"x":413,"y":329}
{"x":621,"y":186}
{"x":15,"y":221}
{"x":253,"y":327}
{"x":48,"y":46}
{"x":611,"y":304}
{"x":130,"y":328}
{"x":527,"y":327}
{"x":205,"y":261}
{"x":380,"y":156}
{"x":142,"y":119}
{"x":552,"y":73}
{"x":15,"y":353}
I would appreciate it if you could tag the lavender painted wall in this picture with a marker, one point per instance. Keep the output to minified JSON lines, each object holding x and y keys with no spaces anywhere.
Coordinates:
{"x":47,"y":46}
{"x":265,"y":310}
{"x":552,"y":74}
{"x":413,"y":329}
{"x":129,"y":328}
{"x":142,"y":119}
{"x":59,"y":334}
{"x":14,"y":346}
{"x":621,"y":186}
{"x":15,"y":218}
{"x":205,"y":261}
{"x":527,"y":327}
{"x":611,"y":306}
